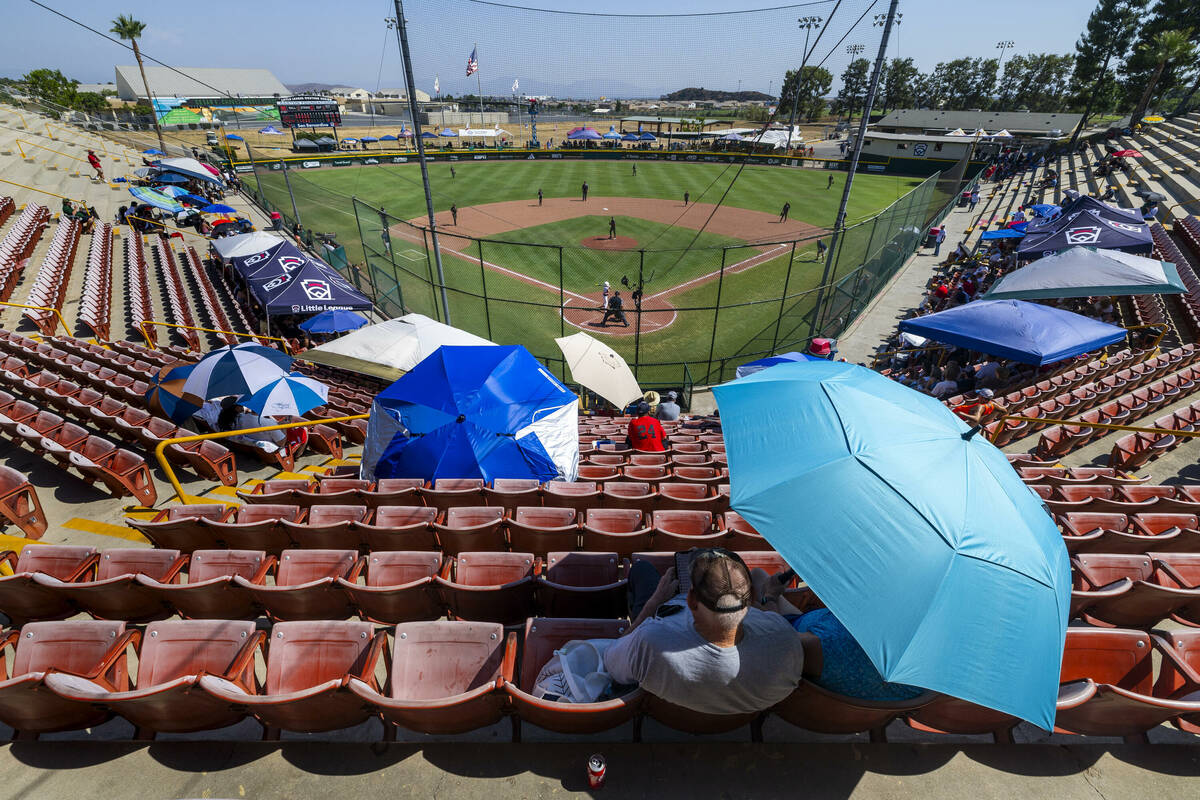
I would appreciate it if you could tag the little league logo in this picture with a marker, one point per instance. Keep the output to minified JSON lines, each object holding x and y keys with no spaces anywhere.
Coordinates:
{"x":276,"y":282}
{"x":1086,"y":235}
{"x":254,"y":259}
{"x":289,"y":263}
{"x":1125,"y":226}
{"x":315,"y":289}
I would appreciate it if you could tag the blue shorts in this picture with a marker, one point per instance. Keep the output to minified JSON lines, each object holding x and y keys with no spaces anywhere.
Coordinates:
{"x":846,"y":669}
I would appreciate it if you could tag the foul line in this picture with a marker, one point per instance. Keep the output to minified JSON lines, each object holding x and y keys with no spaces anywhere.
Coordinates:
{"x":738,"y":267}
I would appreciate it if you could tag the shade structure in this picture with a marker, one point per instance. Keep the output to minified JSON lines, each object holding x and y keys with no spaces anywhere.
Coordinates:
{"x":957,"y":132}
{"x":290,"y":396}
{"x":752,"y":367}
{"x":234,"y":137}
{"x":647,"y":136}
{"x":189,"y":167}
{"x":389,"y":138}
{"x":156,"y":199}
{"x":390,"y":349}
{"x":235,"y":370}
{"x":428,"y":135}
{"x":219,"y":208}
{"x":612,"y":133}
{"x":335,"y":320}
{"x":918,"y":535}
{"x":153,"y":152}
{"x":306,"y":144}
{"x":733,"y":137}
{"x":1088,"y":272}
{"x":1025,"y":332}
{"x":1127,"y":154}
{"x":447,"y":132}
{"x":286,"y":280}
{"x":584,"y":134}
{"x":474,"y":412}
{"x":1154,"y":119}
{"x":349,"y":140}
{"x":246,"y":244}
{"x":1087,"y":222}
{"x":168,"y":177}
{"x":369,"y":139}
{"x":175,"y":192}
{"x":1005,"y":233}
{"x":165,"y":395}
{"x":270,"y":130}
{"x":1045,"y":210}
{"x":600,"y":368}
{"x":629,"y":137}
{"x":327,"y":140}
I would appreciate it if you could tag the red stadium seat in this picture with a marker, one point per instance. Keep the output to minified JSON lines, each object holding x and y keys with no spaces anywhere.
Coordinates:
{"x":399,"y":528}
{"x":395,"y":492}
{"x":339,"y":492}
{"x":945,"y":714}
{"x":448,"y":493}
{"x":489,"y":586}
{"x":585,"y":585}
{"x":309,"y":669}
{"x":471,"y":528}
{"x":179,"y":527}
{"x":509,"y":493}
{"x":541,"y":638}
{"x":115,"y":592}
{"x":446,"y":677}
{"x":328,"y":527}
{"x":1180,"y":571}
{"x":578,"y":496}
{"x":690,"y":497}
{"x":171,"y":660}
{"x":19,"y":502}
{"x":277,"y":492}
{"x":815,"y":708}
{"x":1179,"y":674}
{"x":629,"y":494}
{"x":615,"y":530}
{"x":399,"y":587}
{"x":257,"y":527}
{"x":539,"y":530}
{"x":210,"y":591}
{"x":597,"y":474}
{"x":1145,"y":603}
{"x":22,"y":599}
{"x":306,"y":585}
{"x":653,"y":475}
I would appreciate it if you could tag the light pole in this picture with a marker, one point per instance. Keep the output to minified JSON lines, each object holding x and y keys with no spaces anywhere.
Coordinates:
{"x":879,"y":21}
{"x":1003,"y":46}
{"x":808,"y":25}
{"x":853,"y":50}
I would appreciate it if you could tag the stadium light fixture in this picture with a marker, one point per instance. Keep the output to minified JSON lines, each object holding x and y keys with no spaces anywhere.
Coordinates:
{"x":808,"y":25}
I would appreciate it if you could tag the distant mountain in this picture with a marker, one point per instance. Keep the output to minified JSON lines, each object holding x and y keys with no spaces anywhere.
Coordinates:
{"x":303,"y":88}
{"x":693,"y":94}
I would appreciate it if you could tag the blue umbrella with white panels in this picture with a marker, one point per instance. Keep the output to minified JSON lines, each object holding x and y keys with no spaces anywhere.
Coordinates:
{"x":289,"y":396}
{"x":236,"y":369}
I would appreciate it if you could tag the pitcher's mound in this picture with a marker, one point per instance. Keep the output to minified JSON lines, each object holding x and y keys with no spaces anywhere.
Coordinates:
{"x":605,"y":243}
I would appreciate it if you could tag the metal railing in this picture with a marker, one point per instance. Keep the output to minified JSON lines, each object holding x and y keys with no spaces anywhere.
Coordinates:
{"x":142,"y":327}
{"x":53,"y":311}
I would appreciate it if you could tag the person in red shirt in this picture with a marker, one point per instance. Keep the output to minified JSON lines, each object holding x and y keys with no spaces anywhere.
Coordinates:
{"x":645,"y":432}
{"x":95,"y":162}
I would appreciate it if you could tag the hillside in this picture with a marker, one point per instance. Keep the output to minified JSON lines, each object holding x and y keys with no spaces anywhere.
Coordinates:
{"x":693,"y":94}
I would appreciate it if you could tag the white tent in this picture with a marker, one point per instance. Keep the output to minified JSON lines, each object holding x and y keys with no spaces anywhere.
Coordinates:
{"x":1004,"y":134}
{"x":245,"y":244}
{"x":957,"y":132}
{"x":980,"y":132}
{"x":483,"y":133}
{"x":600,"y":368}
{"x":389,"y":349}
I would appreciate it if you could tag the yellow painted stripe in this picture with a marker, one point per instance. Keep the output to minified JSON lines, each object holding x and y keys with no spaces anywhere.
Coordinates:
{"x":214,"y":495}
{"x":15,"y":543}
{"x":313,"y":468}
{"x":104,"y":529}
{"x":142,"y":516}
{"x":291,"y":476}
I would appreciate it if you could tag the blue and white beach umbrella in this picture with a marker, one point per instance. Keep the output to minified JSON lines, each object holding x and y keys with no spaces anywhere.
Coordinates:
{"x":239,"y":370}
{"x":290,"y":396}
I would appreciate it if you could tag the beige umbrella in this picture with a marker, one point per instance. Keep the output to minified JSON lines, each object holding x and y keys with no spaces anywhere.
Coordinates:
{"x":598,"y":367}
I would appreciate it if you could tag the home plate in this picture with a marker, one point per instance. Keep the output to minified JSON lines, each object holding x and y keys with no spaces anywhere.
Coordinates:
{"x":606,"y":209}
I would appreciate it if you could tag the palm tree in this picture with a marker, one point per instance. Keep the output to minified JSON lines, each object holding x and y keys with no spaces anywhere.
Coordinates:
{"x":129,"y":28}
{"x":1164,"y":48}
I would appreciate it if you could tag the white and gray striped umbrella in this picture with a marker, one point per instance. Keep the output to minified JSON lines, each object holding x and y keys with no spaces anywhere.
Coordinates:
{"x":237,"y":370}
{"x":290,"y":396}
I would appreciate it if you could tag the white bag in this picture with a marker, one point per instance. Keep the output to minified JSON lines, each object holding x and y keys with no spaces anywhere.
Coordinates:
{"x":575,"y":673}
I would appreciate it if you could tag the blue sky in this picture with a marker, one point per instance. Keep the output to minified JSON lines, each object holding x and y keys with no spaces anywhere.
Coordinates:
{"x":302,"y":41}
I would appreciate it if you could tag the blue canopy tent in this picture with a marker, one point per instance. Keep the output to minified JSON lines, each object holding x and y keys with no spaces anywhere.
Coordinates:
{"x":428,"y":135}
{"x":612,"y":133}
{"x":1110,"y":212}
{"x":647,"y":136}
{"x":369,"y":139}
{"x":349,"y":140}
{"x":1004,"y":233}
{"x":1090,"y":227}
{"x":1028,"y":333}
{"x":271,"y":130}
{"x":153,"y":152}
{"x":389,"y":138}
{"x":585,"y":134}
{"x":447,"y":132}
{"x":1046,"y":210}
{"x":752,"y":367}
{"x":474,"y":411}
{"x":629,"y":137}
{"x":234,"y":137}
{"x":286,"y":280}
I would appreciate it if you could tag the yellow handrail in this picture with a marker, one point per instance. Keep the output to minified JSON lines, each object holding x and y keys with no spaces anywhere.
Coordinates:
{"x":54,"y":311}
{"x":1108,"y":426}
{"x":41,"y":191}
{"x":164,"y":228}
{"x":19,"y":142}
{"x":160,"y":448}
{"x":142,"y":326}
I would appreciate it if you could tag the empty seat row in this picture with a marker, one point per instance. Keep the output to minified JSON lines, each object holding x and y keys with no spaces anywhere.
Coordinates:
{"x":450,"y":677}
{"x":142,"y":584}
{"x":137,"y":288}
{"x":274,"y":528}
{"x":1136,"y":591}
{"x":95,"y":305}
{"x":18,"y":244}
{"x":212,"y":305}
{"x":1127,"y":499}
{"x":50,"y":284}
{"x":1107,"y":532}
{"x":180,"y":311}
{"x":1074,"y":476}
{"x":508,"y":493}
{"x":1136,"y":449}
{"x":7,"y":207}
{"x":1166,"y":249}
{"x":240,"y":320}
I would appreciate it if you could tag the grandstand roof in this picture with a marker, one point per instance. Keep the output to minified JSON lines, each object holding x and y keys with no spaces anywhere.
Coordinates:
{"x":1017,"y":122}
{"x":166,"y":82}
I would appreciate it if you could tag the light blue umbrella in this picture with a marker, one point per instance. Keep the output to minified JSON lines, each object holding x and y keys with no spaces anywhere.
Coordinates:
{"x":237,"y":369}
{"x":156,"y":199}
{"x":335,"y":320}
{"x":153,"y":152}
{"x":175,"y":192}
{"x":234,"y":137}
{"x":911,"y":527}
{"x":289,"y":396}
{"x":447,"y":132}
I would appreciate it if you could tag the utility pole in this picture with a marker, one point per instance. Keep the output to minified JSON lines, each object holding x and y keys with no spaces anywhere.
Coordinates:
{"x":853,"y":50}
{"x":807,"y":24}
{"x":410,"y":86}
{"x":1003,"y":46}
{"x":840,"y":223}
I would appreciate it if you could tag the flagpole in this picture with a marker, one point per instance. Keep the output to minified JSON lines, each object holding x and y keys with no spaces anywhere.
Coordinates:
{"x":478,"y":85}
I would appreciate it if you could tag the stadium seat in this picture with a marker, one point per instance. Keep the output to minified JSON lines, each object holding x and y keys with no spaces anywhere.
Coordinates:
{"x":257,"y":527}
{"x":489,"y":586}
{"x":328,"y":527}
{"x":446,"y":677}
{"x":743,"y":535}
{"x":399,"y":528}
{"x":615,"y":530}
{"x":309,"y":668}
{"x":596,"y":473}
{"x":652,"y":475}
{"x":19,"y":502}
{"x":690,"y":497}
{"x":179,"y":527}
{"x":578,"y":496}
{"x":22,"y":599}
{"x":172,"y":657}
{"x":1180,"y":571}
{"x":399,"y":587}
{"x":306,"y":585}
{"x":339,"y":492}
{"x":277,"y":492}
{"x":471,"y":528}
{"x":586,"y":585}
{"x":815,"y":708}
{"x":115,"y":592}
{"x":649,"y":459}
{"x":1179,"y":673}
{"x":395,"y":492}
{"x":1145,"y":603}
{"x":509,"y":493}
{"x":447,"y":493}
{"x":1107,"y":687}
{"x":539,"y":530}
{"x":629,"y":494}
{"x":89,"y":648}
{"x":946,"y":714}
{"x":695,"y":722}
{"x":210,"y":591}
{"x":542,"y":637}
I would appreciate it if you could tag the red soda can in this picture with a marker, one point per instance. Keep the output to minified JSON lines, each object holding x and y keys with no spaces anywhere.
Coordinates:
{"x":595,"y":771}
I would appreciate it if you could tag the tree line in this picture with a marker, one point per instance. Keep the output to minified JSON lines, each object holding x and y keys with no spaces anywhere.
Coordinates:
{"x":1130,"y":56}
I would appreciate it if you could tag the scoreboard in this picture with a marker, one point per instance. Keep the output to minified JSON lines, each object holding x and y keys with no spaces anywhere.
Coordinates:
{"x":309,"y":111}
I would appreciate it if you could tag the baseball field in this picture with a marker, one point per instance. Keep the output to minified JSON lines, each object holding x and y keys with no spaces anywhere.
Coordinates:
{"x":740,"y":254}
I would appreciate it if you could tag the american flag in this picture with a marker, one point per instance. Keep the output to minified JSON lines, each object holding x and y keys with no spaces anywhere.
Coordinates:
{"x":472,"y":63}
